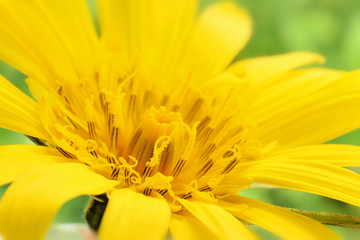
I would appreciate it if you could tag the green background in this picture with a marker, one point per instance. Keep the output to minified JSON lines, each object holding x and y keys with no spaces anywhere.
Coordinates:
{"x":328,"y":27}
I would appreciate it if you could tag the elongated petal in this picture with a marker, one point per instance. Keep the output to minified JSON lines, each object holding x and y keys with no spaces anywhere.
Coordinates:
{"x":338,"y":154}
{"x":264,"y":71}
{"x":166,"y":36}
{"x":221,"y":31}
{"x":30,"y":203}
{"x":18,"y":111}
{"x":62,"y":44}
{"x":131,"y":215}
{"x":154,"y":31}
{"x":217,"y":220}
{"x":15,"y":160}
{"x":185,"y":226}
{"x":307,"y":107}
{"x":322,"y":179}
{"x":283,"y":223}
{"x":230,"y":183}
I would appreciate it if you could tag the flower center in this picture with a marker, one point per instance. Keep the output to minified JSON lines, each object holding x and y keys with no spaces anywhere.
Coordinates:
{"x":176,"y":145}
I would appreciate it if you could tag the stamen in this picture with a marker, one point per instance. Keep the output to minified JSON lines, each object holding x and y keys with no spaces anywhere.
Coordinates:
{"x":134,"y":140}
{"x":66,"y":100}
{"x":206,"y":188}
{"x":126,"y":174}
{"x":146,"y":100}
{"x":164,"y":100}
{"x":206,"y":167}
{"x":194,"y":110}
{"x":132,"y":105}
{"x":220,"y":114}
{"x":203,"y":123}
{"x":166,"y":158}
{"x":60,"y":90}
{"x":205,"y":135}
{"x":147,"y":171}
{"x":110,"y":159}
{"x":91,"y":129}
{"x":209,"y":150}
{"x":115,"y":173}
{"x":230,"y":143}
{"x":230,"y":166}
{"x":102,"y":100}
{"x":163,"y":191}
{"x":186,"y":195}
{"x":147,"y":191}
{"x":114,"y":133}
{"x":110,"y":121}
{"x":175,"y":108}
{"x":143,"y":151}
{"x":158,"y":183}
{"x":228,"y":154}
{"x":234,"y":155}
{"x":160,"y":146}
{"x":65,"y":153}
{"x":129,"y":174}
{"x":72,"y":122}
{"x":94,"y":153}
{"x":178,"y":167}
{"x":106,"y":109}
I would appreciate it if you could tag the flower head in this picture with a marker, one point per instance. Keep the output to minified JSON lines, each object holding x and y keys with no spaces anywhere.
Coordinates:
{"x":152,"y":117}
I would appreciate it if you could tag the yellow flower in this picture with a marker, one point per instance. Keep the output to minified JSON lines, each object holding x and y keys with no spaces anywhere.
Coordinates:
{"x":153,"y":114}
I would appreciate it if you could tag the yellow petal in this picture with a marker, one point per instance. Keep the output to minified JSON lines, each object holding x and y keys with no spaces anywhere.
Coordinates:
{"x":338,"y":154}
{"x":264,"y":71}
{"x":322,"y":179}
{"x":220,"y":32}
{"x":281,"y":222}
{"x":15,"y":160}
{"x":36,"y":89}
{"x":18,"y":111}
{"x":308,"y":106}
{"x":184,"y":226}
{"x":221,"y":223}
{"x":230,"y":183}
{"x":30,"y":203}
{"x":165,"y":36}
{"x":62,"y":44}
{"x":154,"y":31}
{"x":119,"y":30}
{"x":131,"y":215}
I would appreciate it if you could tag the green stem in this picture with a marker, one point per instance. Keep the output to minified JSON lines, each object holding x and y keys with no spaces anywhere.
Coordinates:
{"x":330,"y":218}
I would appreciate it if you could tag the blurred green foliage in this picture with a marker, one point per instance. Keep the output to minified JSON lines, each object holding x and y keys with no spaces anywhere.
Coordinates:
{"x":328,"y":27}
